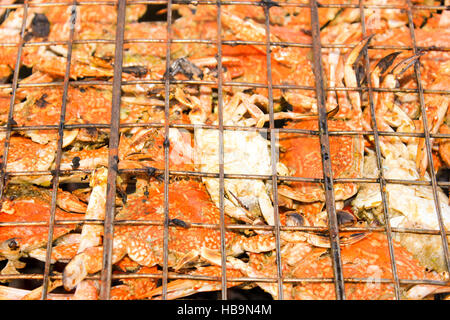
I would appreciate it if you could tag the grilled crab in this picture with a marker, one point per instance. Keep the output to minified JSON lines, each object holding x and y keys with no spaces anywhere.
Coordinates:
{"x":410,"y":206}
{"x":32,"y":204}
{"x":140,"y":148}
{"x":130,"y":289}
{"x":85,"y":105}
{"x":302,"y":153}
{"x":188,"y":203}
{"x":181,"y":288}
{"x":404,"y":158}
{"x":289,"y":239}
{"x":368,"y":258}
{"x":26,"y":155}
{"x":245,"y":152}
{"x":93,"y":21}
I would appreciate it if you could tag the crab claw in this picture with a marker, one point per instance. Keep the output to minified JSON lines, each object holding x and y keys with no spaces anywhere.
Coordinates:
{"x":380,"y":68}
{"x":90,"y":261}
{"x":69,"y":202}
{"x":405,"y":64}
{"x":436,"y":110}
{"x":350,"y":73}
{"x":384,"y":63}
{"x":91,"y":235}
{"x":75,"y":271}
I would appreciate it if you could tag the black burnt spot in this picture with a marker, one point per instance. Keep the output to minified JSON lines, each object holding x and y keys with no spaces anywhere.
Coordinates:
{"x":307,"y":32}
{"x":76,"y":162}
{"x":138,"y":71}
{"x":12,"y":244}
{"x":40,"y":26}
{"x":123,"y":195}
{"x":41,"y":102}
{"x":184,"y":66}
{"x":150,"y":171}
{"x":131,"y":186}
{"x":91,"y":131}
{"x":268,"y":3}
{"x":179,"y":223}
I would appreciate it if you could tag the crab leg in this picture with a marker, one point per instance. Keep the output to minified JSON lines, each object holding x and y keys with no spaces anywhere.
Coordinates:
{"x":181,"y":288}
{"x":37,"y":293}
{"x":91,"y":234}
{"x":420,"y":291}
{"x":65,"y":248}
{"x":350,"y":74}
{"x":10,"y":293}
{"x":62,"y":252}
{"x":436,"y":110}
{"x":388,"y":114}
{"x":90,"y":260}
{"x":237,"y":264}
{"x":380,"y":68}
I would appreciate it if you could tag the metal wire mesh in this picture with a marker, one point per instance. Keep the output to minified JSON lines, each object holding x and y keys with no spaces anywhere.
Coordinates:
{"x":320,"y":92}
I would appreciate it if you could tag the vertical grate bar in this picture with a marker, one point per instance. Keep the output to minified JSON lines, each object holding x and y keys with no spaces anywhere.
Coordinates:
{"x":273,"y":135}
{"x":221,"y":152}
{"x":381,"y":178}
{"x":427,"y":138}
{"x":325,"y":152}
{"x":55,"y":181}
{"x":166,"y":153}
{"x":113,"y":158}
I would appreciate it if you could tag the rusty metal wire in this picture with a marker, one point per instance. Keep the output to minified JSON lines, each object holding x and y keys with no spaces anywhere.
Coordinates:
{"x":115,"y":125}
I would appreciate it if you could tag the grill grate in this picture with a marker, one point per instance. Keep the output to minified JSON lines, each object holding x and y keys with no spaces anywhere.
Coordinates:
{"x":323,"y":133}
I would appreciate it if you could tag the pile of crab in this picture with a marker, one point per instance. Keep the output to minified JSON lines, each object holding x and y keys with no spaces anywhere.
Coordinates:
{"x":263,"y":137}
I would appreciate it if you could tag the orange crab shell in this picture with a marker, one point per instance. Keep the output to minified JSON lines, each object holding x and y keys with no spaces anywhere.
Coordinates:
{"x":444,"y":145}
{"x":309,"y":211}
{"x":43,"y":106}
{"x":26,"y":155}
{"x":87,"y":12}
{"x":132,"y":156}
{"x":135,"y":288}
{"x":189,"y":203}
{"x":303,"y":158}
{"x":31,"y":208}
{"x":368,"y":258}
